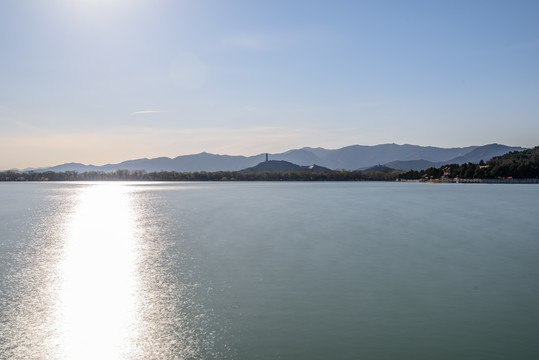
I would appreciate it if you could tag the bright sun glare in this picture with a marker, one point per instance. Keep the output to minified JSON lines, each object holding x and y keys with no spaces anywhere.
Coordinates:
{"x":97,"y":307}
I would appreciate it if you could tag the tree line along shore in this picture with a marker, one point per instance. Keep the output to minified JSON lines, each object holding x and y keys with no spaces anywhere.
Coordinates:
{"x":141,"y":175}
{"x":517,"y":165}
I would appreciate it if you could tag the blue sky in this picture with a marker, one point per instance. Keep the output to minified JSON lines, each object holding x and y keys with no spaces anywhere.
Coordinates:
{"x":109,"y":80}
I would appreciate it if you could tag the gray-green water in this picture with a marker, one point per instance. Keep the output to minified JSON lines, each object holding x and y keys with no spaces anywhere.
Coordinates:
{"x":269,"y":271}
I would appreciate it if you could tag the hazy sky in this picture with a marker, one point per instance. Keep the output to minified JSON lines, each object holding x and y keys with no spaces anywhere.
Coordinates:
{"x":99,"y":81}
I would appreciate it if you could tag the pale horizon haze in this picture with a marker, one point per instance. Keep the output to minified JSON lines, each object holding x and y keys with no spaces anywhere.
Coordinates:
{"x":103,"y":81}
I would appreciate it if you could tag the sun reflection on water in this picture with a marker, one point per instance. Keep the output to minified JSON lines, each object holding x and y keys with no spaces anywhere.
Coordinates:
{"x":104,"y":271}
{"x":98,"y":298}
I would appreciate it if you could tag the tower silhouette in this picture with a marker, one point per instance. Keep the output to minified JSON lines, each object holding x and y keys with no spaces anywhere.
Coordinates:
{"x":266,"y":157}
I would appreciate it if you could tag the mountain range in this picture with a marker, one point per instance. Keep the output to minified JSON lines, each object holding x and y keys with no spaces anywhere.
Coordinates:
{"x":355,"y":157}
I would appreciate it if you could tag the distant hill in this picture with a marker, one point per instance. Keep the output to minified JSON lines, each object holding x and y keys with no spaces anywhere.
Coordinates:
{"x":360,"y":156}
{"x":70,"y":167}
{"x":406,"y":165}
{"x":186,"y":163}
{"x":283,"y":166}
{"x":401,"y":157}
{"x":484,"y":153}
{"x":357,"y":156}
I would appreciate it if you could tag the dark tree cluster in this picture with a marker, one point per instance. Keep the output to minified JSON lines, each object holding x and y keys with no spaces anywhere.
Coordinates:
{"x":516,"y":165}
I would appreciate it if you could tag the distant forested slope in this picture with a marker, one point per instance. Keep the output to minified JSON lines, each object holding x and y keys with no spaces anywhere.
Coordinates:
{"x":516,"y":165}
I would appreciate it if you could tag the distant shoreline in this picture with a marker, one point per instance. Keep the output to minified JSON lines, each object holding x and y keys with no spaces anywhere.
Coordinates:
{"x":301,"y":176}
{"x":475,"y":181}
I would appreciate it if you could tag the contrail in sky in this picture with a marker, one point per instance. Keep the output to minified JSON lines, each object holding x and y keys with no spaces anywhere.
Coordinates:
{"x":146,"y":112}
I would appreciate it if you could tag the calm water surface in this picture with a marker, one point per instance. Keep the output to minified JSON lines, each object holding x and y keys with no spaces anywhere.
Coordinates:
{"x":269,"y":271}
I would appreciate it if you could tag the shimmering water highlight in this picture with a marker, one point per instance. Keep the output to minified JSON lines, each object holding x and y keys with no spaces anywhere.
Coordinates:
{"x":268,"y":270}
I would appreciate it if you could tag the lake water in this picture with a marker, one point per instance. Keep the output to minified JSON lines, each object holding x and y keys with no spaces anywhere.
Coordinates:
{"x":269,"y":271}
